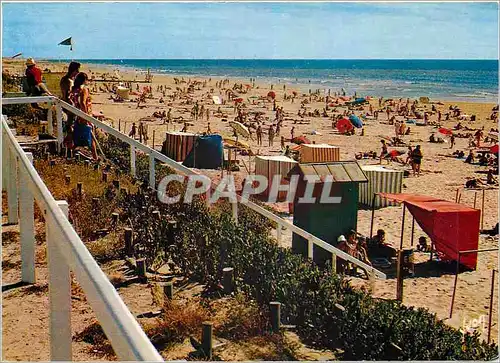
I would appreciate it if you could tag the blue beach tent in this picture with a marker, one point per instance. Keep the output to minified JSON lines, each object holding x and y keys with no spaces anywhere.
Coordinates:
{"x":207,"y":153}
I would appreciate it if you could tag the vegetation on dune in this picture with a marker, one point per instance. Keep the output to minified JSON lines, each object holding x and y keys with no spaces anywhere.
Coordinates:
{"x":327,"y":311}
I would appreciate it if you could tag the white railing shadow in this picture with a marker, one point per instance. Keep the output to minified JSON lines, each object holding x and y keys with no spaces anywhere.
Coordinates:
{"x":179,"y":168}
{"x":66,"y":252}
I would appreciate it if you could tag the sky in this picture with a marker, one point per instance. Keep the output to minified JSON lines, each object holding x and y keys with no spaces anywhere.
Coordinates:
{"x":252,"y":30}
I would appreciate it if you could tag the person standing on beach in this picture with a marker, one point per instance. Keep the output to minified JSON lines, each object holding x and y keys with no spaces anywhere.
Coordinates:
{"x":80,"y":98}
{"x":67,"y":80}
{"x":397,"y":125}
{"x":259,"y":135}
{"x":384,"y":151}
{"x":416,"y":157}
{"x":133,"y":131}
{"x":66,"y":84}
{"x":271,"y":135}
{"x":452,"y":141}
{"x":292,"y":132}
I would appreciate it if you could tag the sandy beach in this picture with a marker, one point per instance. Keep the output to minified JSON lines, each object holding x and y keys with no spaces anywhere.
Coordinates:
{"x":441,"y":174}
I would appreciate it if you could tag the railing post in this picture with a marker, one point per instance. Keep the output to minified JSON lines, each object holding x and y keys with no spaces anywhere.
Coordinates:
{"x":59,"y":293}
{"x":132,"y":160}
{"x":60,"y":135}
{"x":310,"y":248}
{"x":278,"y":233}
{"x":26,"y":225}
{"x":234,"y":207}
{"x":5,"y":160}
{"x":12,"y":201}
{"x":50,"y":126}
{"x":152,"y":177}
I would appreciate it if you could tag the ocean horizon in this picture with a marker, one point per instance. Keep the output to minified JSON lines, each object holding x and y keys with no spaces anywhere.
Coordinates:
{"x":461,"y":80}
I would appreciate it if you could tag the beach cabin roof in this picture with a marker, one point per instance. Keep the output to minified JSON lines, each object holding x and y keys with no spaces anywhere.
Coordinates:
{"x":341,"y":171}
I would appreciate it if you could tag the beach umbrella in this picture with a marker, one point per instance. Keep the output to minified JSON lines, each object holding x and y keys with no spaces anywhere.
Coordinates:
{"x":271,"y":94}
{"x":494,"y":149}
{"x":445,"y":131}
{"x":356,"y":121}
{"x":239,"y":128}
{"x":344,"y":125}
{"x":301,"y":140}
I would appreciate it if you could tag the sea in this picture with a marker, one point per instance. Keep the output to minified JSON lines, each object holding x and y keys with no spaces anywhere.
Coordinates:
{"x":460,"y":80}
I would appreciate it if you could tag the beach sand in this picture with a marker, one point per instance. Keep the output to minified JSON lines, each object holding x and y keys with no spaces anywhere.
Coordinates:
{"x":441,"y":176}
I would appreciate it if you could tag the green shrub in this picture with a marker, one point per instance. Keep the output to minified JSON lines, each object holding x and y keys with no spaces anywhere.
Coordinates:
{"x":326,"y":309}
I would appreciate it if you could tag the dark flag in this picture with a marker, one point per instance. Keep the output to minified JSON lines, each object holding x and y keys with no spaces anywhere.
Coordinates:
{"x":67,"y":42}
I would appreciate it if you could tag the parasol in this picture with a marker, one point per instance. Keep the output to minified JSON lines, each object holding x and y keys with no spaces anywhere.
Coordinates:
{"x":271,"y":94}
{"x":445,"y":131}
{"x":344,"y":125}
{"x":240,"y":129}
{"x":301,"y":140}
{"x":355,"y":120}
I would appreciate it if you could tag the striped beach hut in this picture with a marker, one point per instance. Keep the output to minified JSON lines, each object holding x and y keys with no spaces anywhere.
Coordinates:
{"x":177,"y":145}
{"x":319,"y":153}
{"x":269,"y":166}
{"x":380,"y":180}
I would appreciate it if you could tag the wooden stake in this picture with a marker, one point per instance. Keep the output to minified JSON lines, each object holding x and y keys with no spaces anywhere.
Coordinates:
{"x":482,"y":211}
{"x":120,"y":124}
{"x":206,"y":340}
{"x":402,"y":227}
{"x":79,"y":188}
{"x":114,"y":218}
{"x":228,"y":280}
{"x":456,"y":196}
{"x":52,"y":163}
{"x":141,"y":269}
{"x":491,"y":303}
{"x":455,"y":285}
{"x":399,"y":286}
{"x":129,"y":243}
{"x":168,"y":290}
{"x":95,"y":203}
{"x":412,"y":230}
{"x":153,"y":147}
{"x":67,"y":179}
{"x":275,"y":309}
{"x":475,"y":197}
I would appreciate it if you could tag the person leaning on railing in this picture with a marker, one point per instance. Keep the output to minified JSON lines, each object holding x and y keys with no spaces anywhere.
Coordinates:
{"x":80,"y":98}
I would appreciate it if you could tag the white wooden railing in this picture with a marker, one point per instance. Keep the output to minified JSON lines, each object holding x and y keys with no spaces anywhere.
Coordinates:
{"x":155,"y":155}
{"x":66,"y":252}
